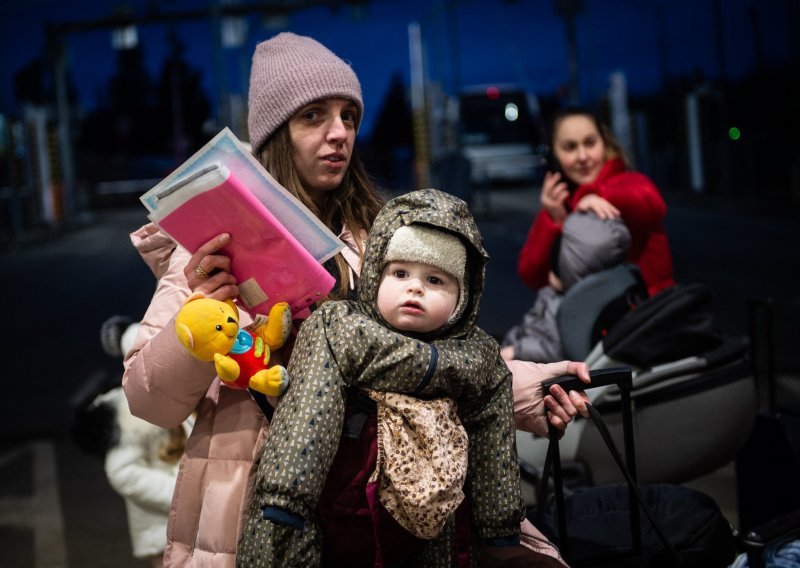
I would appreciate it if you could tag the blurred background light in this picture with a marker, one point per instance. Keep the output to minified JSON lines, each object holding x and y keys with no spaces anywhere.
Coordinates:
{"x":511,"y":112}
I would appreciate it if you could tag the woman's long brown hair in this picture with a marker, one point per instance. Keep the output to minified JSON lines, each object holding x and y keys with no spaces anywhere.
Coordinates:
{"x":354,"y":204}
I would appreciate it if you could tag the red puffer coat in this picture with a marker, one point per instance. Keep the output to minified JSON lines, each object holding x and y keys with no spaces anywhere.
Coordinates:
{"x":643,"y":210}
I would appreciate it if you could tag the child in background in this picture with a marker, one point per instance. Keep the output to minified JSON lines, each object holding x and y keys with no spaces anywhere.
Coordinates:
{"x":117,"y":334}
{"x":413,"y":330}
{"x":140,"y":460}
{"x":587,"y":244}
{"x":141,"y":464}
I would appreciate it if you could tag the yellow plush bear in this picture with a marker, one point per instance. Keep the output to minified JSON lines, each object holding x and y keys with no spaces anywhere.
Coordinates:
{"x":209,"y":329}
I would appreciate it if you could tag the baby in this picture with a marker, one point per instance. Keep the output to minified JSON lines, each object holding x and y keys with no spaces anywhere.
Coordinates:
{"x":413,"y":331}
{"x":586,"y":245}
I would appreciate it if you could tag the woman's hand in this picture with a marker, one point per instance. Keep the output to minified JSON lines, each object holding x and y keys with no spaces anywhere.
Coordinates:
{"x":209,"y":273}
{"x":600,"y":206}
{"x":554,"y":196}
{"x":563,"y":406}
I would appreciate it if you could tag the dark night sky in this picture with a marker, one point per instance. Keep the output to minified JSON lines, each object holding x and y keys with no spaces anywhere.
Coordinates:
{"x":522,"y":41}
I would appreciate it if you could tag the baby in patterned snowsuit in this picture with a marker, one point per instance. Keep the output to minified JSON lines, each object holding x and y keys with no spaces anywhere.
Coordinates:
{"x":413,"y":330}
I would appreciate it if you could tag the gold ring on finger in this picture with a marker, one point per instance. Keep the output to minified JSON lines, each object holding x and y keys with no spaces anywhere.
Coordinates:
{"x":200,"y":273}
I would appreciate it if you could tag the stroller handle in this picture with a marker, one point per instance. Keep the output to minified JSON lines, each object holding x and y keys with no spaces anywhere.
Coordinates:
{"x":620,"y":376}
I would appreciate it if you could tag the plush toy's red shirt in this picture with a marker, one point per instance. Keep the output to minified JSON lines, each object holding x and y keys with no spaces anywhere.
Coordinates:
{"x":252,"y":355}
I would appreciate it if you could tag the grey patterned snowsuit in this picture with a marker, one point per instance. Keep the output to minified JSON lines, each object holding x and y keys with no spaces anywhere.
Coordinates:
{"x":348,"y":344}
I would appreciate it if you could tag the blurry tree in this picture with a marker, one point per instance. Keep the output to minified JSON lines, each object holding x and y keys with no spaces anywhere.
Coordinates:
{"x":182,"y":107}
{"x":131,"y":98}
{"x":121,"y":123}
{"x":29,"y":83}
{"x":144,"y":128}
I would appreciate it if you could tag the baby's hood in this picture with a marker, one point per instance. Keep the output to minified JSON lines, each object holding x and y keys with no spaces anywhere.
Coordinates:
{"x":436,"y":209}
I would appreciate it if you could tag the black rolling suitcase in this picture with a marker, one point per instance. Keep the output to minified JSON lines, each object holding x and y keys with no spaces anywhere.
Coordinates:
{"x":628,"y":524}
{"x":768,"y":466}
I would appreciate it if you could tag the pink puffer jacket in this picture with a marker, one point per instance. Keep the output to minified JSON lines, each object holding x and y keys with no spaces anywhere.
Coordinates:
{"x":164,"y":385}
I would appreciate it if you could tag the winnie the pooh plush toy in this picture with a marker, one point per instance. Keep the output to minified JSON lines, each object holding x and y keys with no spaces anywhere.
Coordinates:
{"x":209,"y":330}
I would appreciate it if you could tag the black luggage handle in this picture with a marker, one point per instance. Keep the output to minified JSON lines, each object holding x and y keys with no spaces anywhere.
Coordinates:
{"x":623,"y":378}
{"x":620,"y":376}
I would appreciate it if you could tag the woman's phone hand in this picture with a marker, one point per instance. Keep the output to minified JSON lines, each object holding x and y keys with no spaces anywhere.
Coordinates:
{"x":209,"y":272}
{"x":554,"y":196}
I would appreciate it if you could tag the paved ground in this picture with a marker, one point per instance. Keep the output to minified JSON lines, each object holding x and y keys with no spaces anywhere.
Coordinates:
{"x":56,"y":508}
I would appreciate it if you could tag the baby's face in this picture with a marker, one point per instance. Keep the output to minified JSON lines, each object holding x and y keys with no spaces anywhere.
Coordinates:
{"x":418,"y":297}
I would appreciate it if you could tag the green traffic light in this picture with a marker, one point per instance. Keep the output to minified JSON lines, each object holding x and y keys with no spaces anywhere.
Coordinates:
{"x":734,"y":133}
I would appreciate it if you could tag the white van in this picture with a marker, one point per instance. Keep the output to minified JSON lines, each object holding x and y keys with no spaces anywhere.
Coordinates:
{"x":500,"y":132}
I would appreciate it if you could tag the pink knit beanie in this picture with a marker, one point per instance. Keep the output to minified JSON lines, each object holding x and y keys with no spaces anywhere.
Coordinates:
{"x":290,"y":71}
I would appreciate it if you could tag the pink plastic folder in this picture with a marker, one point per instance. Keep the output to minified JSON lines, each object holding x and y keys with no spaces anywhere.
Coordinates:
{"x":269,"y":263}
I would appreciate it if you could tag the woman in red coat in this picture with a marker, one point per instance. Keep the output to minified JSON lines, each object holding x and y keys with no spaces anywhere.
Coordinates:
{"x":594,"y":176}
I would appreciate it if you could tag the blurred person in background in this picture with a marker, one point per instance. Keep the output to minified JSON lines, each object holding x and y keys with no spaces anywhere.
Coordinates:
{"x":140,"y":459}
{"x":590,"y":172}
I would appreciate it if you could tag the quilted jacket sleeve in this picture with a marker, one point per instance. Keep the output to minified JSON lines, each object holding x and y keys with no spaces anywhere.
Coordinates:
{"x":536,"y":337}
{"x":305,"y":429}
{"x":154,"y":247}
{"x":493,"y":481}
{"x":374,"y":357}
{"x":162,"y":381}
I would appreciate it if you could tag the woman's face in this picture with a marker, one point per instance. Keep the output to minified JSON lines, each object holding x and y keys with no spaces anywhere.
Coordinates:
{"x":579,"y":148}
{"x":322,"y":135}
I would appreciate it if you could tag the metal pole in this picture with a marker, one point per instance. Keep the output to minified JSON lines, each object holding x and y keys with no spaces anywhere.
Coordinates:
{"x":71,"y":205}
{"x":630,"y":461}
{"x":219,"y":65}
{"x":418,"y":107}
{"x":696,"y":174}
{"x":568,"y":9}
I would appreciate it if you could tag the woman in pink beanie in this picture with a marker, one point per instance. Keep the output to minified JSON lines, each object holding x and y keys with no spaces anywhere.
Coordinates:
{"x":305,"y":108}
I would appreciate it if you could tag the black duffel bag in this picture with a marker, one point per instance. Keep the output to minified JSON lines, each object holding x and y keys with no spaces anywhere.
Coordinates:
{"x":598,"y":521}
